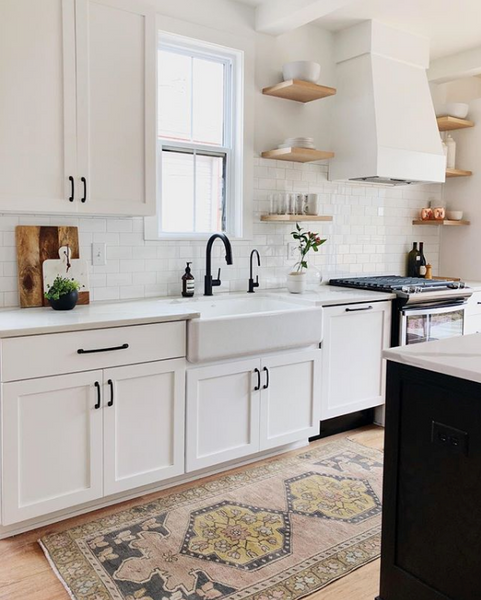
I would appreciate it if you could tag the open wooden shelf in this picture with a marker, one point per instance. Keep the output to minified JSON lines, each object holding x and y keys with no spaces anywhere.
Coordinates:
{"x":299,"y":91}
{"x":294,"y":218}
{"x":448,"y":123}
{"x":457,"y":173}
{"x":439,"y":222}
{"x":301,"y":155}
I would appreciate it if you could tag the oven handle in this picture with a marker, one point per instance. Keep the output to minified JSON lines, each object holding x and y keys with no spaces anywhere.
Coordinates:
{"x":434,"y":308}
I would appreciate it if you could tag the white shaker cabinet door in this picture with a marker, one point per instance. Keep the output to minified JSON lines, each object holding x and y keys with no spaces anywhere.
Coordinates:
{"x":51,"y":444}
{"x":290,"y":404}
{"x":37,"y":105}
{"x":116,"y":57}
{"x":222,"y":413}
{"x":353,"y":370}
{"x":143,"y":424}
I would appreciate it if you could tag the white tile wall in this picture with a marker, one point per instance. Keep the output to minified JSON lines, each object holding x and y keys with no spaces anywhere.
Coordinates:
{"x":371,"y":232}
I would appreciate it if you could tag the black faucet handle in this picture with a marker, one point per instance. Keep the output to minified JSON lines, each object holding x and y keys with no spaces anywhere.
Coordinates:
{"x":216,"y":282}
{"x":218,"y":275}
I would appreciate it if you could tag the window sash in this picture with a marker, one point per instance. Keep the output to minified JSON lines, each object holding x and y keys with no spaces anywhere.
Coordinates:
{"x":199,"y":150}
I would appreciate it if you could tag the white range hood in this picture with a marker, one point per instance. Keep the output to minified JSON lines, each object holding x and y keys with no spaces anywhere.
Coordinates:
{"x":384,"y":127}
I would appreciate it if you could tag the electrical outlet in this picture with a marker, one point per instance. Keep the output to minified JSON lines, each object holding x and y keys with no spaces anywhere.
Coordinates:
{"x":451,"y":438}
{"x":292,"y":250}
{"x":99,"y":254}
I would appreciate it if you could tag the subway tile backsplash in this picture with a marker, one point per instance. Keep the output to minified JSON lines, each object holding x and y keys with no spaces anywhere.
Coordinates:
{"x":371,"y":232}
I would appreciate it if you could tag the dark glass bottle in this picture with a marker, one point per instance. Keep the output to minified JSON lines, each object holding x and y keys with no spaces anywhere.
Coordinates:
{"x":414,"y":258}
{"x":422,"y":261}
{"x":188,"y":285}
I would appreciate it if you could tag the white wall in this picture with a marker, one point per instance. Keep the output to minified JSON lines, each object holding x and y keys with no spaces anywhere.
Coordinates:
{"x":371,"y":231}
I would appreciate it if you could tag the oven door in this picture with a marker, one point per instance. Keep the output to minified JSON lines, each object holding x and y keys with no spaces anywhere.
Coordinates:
{"x":426,"y":324}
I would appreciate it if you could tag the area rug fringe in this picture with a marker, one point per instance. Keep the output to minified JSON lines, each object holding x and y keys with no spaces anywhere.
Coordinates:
{"x":55,"y":570}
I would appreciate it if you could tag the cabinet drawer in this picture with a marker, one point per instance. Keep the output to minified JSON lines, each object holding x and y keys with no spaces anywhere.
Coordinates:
{"x":58,"y":353}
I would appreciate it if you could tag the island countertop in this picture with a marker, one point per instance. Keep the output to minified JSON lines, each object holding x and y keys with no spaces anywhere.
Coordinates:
{"x":457,"y":356}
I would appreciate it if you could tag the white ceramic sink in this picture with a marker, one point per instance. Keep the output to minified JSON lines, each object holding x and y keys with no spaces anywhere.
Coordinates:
{"x":241,"y":326}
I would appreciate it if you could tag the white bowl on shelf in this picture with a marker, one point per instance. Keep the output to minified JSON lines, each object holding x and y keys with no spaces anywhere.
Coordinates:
{"x":306,"y":70}
{"x":453,"y":109}
{"x":454,"y":215}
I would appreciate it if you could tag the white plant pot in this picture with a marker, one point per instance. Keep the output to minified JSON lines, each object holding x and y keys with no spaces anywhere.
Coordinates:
{"x":296,"y":282}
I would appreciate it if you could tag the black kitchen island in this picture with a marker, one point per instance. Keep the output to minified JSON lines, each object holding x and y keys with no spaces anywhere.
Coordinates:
{"x":431,"y":542}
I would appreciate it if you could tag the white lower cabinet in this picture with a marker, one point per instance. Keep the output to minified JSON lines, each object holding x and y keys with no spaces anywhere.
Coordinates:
{"x":290,"y":407}
{"x":51,"y":444}
{"x":143,"y":424}
{"x":223,"y":409}
{"x":353,"y":370}
{"x":239,"y":408}
{"x":71,"y":439}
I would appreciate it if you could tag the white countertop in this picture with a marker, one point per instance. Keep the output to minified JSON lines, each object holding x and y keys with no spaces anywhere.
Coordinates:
{"x":33,"y":321}
{"x":329,"y":295}
{"x":457,"y":356}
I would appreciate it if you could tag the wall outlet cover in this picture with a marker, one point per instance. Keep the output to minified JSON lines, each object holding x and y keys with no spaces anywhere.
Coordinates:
{"x":99,"y":254}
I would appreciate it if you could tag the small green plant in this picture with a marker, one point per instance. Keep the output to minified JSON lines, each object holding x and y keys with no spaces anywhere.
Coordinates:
{"x":60,"y":287}
{"x":307,"y":241}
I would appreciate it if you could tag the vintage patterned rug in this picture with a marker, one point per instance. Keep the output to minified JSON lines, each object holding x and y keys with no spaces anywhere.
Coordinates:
{"x":276,"y":531}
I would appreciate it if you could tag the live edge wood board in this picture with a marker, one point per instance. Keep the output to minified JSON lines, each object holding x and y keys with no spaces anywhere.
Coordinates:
{"x":34,"y":245}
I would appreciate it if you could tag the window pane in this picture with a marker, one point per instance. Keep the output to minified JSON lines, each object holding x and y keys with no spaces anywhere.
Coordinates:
{"x":177,"y":192}
{"x":208,"y":102}
{"x":192,"y":192}
{"x":209,"y":206}
{"x":175,"y":96}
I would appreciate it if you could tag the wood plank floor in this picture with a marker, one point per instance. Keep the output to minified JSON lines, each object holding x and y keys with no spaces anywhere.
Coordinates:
{"x":26,"y":575}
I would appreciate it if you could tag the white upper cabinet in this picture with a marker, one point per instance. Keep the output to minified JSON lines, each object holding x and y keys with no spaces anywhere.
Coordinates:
{"x":116,"y":107}
{"x":353,"y":370}
{"x":77,"y":108}
{"x":37,"y":105}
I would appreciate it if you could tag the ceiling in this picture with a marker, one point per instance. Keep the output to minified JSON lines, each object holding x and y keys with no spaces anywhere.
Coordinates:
{"x":452,"y":26}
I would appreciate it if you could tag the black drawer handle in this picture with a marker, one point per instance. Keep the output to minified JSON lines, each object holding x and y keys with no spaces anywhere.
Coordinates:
{"x":97,"y":385}
{"x":111,"y":385}
{"x":84,"y":197}
{"x":258,"y":386}
{"x":358,"y":309}
{"x":72,"y":188}
{"x":95,"y":350}
{"x":267,"y":378}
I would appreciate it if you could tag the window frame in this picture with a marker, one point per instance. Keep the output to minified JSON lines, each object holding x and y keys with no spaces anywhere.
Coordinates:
{"x":233,"y":141}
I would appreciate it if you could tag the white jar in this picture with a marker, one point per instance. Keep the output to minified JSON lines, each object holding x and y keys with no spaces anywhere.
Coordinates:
{"x":312,"y":204}
{"x":296,"y":282}
{"x":451,"y":158}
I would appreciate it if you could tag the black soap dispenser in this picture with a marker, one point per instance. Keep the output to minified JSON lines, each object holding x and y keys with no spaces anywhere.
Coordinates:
{"x":188,"y":285}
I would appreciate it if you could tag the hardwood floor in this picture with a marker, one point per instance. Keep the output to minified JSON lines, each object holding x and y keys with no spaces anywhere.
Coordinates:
{"x":26,"y":574}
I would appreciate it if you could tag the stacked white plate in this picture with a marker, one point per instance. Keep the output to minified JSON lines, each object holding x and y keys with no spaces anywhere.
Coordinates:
{"x":298,"y":142}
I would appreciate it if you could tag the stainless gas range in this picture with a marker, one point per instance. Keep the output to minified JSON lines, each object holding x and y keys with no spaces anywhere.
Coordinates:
{"x":424,"y":309}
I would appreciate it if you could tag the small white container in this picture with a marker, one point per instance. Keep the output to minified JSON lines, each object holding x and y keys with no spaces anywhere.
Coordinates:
{"x":453,"y":109}
{"x":454,"y":215}
{"x":306,"y":70}
{"x":312,"y":204}
{"x":451,"y":157}
{"x":296,"y":282}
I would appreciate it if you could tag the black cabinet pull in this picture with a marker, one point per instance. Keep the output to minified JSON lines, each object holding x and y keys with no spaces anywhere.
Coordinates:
{"x":267,"y":378}
{"x":111,"y":385}
{"x":258,"y":386}
{"x":358,"y":309}
{"x":84,"y":197}
{"x":97,"y":385}
{"x":72,"y":188}
{"x":95,"y":350}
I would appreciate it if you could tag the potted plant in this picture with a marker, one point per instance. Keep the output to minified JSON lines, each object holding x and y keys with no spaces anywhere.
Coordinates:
{"x":63,"y":293}
{"x":296,"y":279}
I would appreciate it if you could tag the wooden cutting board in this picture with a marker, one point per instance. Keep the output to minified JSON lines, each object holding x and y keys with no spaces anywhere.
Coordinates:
{"x":34,"y":245}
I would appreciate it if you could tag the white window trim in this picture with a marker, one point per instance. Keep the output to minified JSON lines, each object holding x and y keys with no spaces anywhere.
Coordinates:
{"x":234,"y":115}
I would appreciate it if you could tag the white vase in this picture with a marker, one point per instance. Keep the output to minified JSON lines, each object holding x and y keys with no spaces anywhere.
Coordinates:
{"x":296,"y":282}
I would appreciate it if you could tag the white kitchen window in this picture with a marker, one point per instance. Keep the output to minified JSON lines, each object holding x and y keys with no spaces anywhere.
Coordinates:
{"x":199,"y":140}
